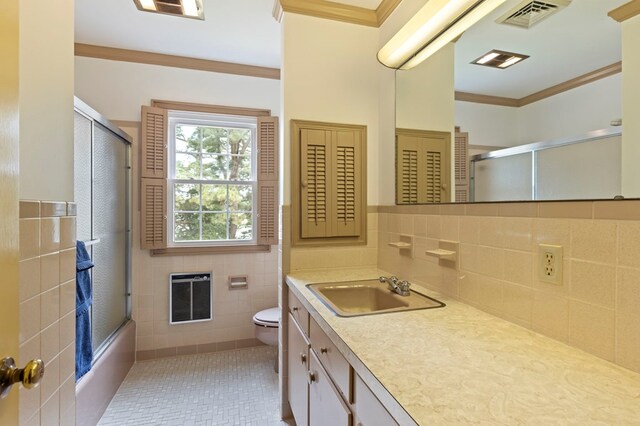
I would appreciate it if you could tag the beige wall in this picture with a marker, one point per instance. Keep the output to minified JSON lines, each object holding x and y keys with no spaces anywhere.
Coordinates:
{"x":330,"y":73}
{"x":631,"y":107}
{"x":118,"y":89}
{"x":47,"y":310}
{"x":595,"y":309}
{"x":46,"y":100}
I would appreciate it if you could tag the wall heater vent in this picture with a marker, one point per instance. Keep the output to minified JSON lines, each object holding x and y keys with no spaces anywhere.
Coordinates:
{"x":190,"y":297}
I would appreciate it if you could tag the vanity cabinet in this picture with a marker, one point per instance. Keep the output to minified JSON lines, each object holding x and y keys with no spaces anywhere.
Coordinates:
{"x":323,"y":388}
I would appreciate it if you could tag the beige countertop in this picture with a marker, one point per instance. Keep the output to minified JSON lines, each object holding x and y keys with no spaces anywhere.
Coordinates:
{"x":459,"y":365}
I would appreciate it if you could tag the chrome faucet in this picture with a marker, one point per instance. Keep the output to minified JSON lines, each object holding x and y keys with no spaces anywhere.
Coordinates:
{"x":397,"y":286}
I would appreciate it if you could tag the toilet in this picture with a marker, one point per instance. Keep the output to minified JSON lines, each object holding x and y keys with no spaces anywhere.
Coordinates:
{"x":267,"y":323}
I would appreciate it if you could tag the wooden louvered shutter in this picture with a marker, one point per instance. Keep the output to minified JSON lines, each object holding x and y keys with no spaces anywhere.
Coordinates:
{"x":267,"y":220}
{"x":433,"y":173}
{"x":315,"y":185}
{"x":346,"y":183}
{"x":153,"y":189}
{"x":153,"y":213}
{"x":422,"y":166}
{"x":154,"y":143}
{"x":461,"y":159}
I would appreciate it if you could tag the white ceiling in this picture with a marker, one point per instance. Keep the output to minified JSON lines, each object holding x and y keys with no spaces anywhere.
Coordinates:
{"x":574,"y":41}
{"x":238,"y":31}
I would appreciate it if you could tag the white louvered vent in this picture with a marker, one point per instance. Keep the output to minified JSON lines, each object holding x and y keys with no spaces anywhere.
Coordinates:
{"x":528,"y":13}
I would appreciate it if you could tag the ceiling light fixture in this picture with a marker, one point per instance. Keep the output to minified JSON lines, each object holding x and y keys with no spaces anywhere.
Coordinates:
{"x":486,"y":58}
{"x":184,"y":8}
{"x":148,"y":4}
{"x":190,"y":7}
{"x":436,"y":24}
{"x":499,"y":59}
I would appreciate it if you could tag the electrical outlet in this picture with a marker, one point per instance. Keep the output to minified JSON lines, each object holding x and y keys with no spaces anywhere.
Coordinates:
{"x":550,"y":263}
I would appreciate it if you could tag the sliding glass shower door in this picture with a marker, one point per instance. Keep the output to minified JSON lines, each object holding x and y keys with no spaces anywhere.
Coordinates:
{"x":102,"y":176}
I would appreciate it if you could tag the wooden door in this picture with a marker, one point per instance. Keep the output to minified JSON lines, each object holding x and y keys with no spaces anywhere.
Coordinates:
{"x":298,"y":356}
{"x":326,"y":407}
{"x":9,"y":166}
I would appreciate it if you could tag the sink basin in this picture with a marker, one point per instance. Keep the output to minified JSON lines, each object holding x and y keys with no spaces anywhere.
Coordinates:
{"x":355,"y":298}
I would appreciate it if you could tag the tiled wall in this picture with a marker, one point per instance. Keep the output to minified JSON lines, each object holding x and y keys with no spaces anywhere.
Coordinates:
{"x":47,"y":309}
{"x":596,"y":307}
{"x":233,"y":310}
{"x":302,"y":258}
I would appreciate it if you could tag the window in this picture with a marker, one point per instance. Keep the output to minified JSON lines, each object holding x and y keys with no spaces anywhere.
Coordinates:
{"x":208,"y":179}
{"x":212,"y":179}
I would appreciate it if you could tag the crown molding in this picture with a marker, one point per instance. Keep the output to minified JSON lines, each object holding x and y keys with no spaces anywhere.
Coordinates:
{"x":337,"y":11}
{"x":126,"y":55}
{"x":581,"y":80}
{"x":626,"y":11}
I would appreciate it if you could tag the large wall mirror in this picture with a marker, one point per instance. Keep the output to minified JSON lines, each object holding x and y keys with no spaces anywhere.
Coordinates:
{"x":546,"y":127}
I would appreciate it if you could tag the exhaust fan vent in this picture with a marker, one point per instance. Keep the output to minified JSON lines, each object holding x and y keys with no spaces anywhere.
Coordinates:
{"x":528,"y":13}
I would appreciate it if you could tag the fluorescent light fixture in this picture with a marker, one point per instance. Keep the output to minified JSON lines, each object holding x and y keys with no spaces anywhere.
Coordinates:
{"x":148,"y":4}
{"x":486,"y":58}
{"x":510,"y":61}
{"x":190,"y":7}
{"x":436,"y":24}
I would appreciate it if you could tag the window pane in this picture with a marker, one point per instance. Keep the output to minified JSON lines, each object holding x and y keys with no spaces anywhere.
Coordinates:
{"x":240,"y":167}
{"x":240,"y":198}
{"x":214,"y":167}
{"x":240,"y":226}
{"x":187,"y":227}
{"x":187,"y":197}
{"x":214,"y":226}
{"x":240,"y":141}
{"x":187,"y":166}
{"x":187,"y":138}
{"x":214,"y":198}
{"x":215,"y":140}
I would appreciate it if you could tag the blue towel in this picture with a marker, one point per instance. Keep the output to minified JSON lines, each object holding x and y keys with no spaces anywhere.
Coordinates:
{"x":84,"y":351}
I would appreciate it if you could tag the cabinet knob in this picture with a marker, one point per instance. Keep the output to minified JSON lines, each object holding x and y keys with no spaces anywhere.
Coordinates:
{"x":294,"y":309}
{"x":312,"y":377}
{"x":303,"y":358}
{"x":323,"y":350}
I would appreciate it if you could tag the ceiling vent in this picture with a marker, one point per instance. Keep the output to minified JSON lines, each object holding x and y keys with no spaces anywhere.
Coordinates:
{"x":528,"y":13}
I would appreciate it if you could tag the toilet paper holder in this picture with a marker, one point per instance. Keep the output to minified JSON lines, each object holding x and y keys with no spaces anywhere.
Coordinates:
{"x":237,"y":282}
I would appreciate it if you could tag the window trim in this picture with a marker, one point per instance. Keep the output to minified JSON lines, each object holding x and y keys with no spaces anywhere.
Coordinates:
{"x":214,"y":119}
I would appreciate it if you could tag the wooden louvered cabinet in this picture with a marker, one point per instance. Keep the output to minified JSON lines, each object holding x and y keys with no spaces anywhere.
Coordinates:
{"x":423,"y":166}
{"x":329,"y":183}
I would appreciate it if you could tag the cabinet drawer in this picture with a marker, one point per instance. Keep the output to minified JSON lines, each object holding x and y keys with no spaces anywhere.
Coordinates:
{"x":326,"y":407}
{"x":368,"y":410}
{"x":331,"y":359}
{"x":299,"y":313}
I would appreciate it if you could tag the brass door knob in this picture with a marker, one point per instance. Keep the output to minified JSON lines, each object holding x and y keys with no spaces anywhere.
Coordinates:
{"x":29,"y":376}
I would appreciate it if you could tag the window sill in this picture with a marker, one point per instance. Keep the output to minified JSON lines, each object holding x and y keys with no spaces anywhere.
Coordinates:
{"x":181,"y":251}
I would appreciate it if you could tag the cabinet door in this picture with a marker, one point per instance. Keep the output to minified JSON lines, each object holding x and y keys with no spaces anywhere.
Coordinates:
{"x":368,"y":410}
{"x":326,"y":407}
{"x":315,"y":167}
{"x":298,"y":357}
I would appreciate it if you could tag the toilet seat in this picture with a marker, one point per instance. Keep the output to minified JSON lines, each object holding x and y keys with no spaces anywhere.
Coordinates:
{"x":268,"y":318}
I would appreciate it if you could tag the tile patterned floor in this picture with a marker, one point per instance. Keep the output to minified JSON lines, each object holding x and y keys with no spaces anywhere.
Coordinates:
{"x":224,"y":388}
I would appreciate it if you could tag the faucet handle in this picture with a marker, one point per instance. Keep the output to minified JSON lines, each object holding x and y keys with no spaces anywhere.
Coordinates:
{"x":393,"y":279}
